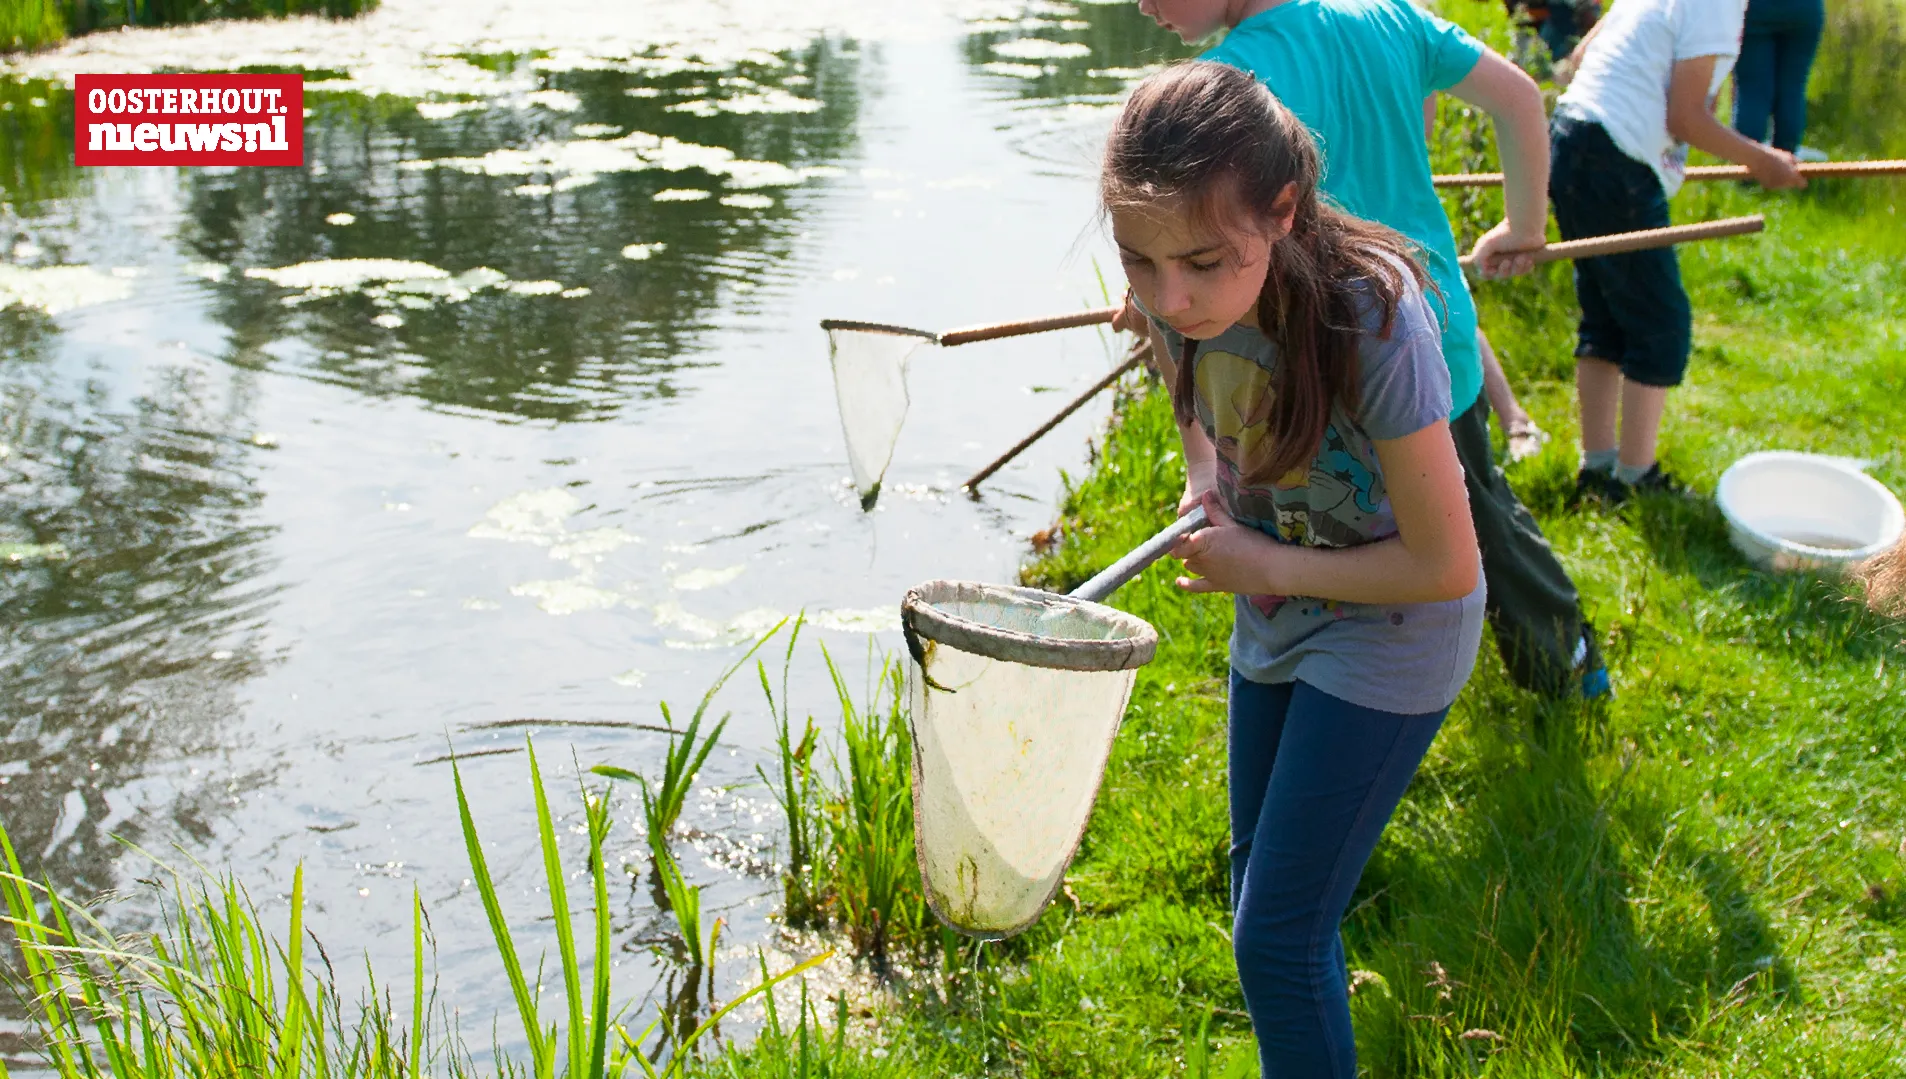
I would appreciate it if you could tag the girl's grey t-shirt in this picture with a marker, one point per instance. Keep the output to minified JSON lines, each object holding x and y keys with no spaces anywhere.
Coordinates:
{"x":1407,"y":658}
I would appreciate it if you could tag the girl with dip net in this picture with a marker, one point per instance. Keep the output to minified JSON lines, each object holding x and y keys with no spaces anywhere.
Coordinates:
{"x":1310,"y":390}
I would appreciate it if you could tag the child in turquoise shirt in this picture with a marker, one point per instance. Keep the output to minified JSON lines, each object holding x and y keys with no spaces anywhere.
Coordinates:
{"x":1357,"y":73}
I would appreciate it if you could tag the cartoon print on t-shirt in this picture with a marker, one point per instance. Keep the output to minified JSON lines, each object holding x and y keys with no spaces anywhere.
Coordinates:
{"x":1333,"y":503}
{"x":1336,"y":502}
{"x":1238,"y":393}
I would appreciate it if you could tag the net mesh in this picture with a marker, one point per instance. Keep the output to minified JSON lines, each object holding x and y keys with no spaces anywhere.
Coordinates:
{"x":1016,"y":697}
{"x":870,"y":385}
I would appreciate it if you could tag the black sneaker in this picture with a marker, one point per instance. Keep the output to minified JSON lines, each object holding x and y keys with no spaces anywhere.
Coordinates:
{"x":1652,"y":482}
{"x":1592,"y":485}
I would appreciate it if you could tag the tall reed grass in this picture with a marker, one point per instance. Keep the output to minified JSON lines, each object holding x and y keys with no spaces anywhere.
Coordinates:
{"x":851,"y":862}
{"x":31,"y":24}
{"x":212,"y":994}
{"x":215,"y":993}
{"x":871,"y":865}
{"x":795,"y":793}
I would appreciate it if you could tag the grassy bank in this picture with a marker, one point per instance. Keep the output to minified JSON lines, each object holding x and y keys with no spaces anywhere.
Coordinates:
{"x":1707,"y":877}
{"x":35,"y":24}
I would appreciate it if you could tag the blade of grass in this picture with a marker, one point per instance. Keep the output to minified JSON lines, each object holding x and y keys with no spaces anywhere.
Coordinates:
{"x":499,"y":927}
{"x":417,"y":980}
{"x":598,"y":818}
{"x":560,"y":913}
{"x":291,"y":1047}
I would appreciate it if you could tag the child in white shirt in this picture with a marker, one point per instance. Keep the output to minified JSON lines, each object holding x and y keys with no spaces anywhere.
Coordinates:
{"x":1642,"y":92}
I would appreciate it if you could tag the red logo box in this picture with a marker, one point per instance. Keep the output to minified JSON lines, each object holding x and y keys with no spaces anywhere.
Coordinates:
{"x":188,"y":120}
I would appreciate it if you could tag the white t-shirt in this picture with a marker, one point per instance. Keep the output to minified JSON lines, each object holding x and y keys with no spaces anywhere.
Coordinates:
{"x":1623,"y":80}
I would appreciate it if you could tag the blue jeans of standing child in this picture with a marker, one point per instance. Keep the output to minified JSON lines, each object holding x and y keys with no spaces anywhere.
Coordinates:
{"x":1314,"y":780}
{"x":1777,"y":50}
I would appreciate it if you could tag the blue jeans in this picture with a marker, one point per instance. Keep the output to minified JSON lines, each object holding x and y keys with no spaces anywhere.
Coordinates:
{"x":1314,"y":780}
{"x":1777,"y":49}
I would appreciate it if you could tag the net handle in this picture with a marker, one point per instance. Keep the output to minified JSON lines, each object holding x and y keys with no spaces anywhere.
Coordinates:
{"x":1642,"y":240}
{"x":966,"y":335}
{"x":1141,"y":352}
{"x":1711,"y":172}
{"x":1111,"y":577}
{"x":969,"y":334}
{"x":831,"y":324}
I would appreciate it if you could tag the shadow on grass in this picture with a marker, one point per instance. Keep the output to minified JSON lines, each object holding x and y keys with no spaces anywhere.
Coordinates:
{"x":1814,"y":617}
{"x":1551,"y":901}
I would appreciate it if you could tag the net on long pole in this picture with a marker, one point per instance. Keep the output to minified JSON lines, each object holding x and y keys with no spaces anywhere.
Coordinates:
{"x":1016,"y":696}
{"x":870,"y":385}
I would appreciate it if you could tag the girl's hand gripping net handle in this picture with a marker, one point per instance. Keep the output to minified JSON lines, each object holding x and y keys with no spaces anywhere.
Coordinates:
{"x":1111,"y":577}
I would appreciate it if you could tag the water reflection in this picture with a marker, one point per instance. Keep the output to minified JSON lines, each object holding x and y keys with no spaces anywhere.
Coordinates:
{"x":1066,"y":51}
{"x":130,"y":607}
{"x":36,"y":143}
{"x":437,"y":550}
{"x":605,"y":292}
{"x":1068,"y":66}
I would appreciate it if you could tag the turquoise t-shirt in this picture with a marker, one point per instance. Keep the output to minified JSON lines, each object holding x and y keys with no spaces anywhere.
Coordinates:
{"x":1356,"y":73}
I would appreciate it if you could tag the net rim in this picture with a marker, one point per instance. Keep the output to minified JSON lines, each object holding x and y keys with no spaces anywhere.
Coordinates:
{"x":832,"y":324}
{"x":922,"y":618}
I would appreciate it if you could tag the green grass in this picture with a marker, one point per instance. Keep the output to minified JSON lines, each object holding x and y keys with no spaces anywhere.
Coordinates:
{"x":31,"y":24}
{"x":1705,"y":878}
{"x":36,"y":24}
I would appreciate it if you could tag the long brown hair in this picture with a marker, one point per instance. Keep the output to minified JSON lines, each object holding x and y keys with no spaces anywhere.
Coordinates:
{"x":1213,"y":140}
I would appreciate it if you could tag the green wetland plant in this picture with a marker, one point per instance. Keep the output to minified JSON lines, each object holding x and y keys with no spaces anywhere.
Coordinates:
{"x":872,"y":868}
{"x":664,"y":797}
{"x":587,"y":1032}
{"x":851,"y":862}
{"x":685,"y":903}
{"x":214,"y":992}
{"x":795,"y":792}
{"x":31,"y":24}
{"x":86,"y":16}
{"x":211,"y":994}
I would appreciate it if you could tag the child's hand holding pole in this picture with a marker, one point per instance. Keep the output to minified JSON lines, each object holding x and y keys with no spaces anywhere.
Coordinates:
{"x":1514,"y":102}
{"x":1690,"y":120}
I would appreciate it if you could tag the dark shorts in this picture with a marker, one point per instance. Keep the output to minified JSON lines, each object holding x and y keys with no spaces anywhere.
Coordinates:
{"x":1635,"y":313}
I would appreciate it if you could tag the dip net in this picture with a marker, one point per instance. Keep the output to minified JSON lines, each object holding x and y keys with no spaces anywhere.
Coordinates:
{"x":1016,"y":698}
{"x":870,"y":385}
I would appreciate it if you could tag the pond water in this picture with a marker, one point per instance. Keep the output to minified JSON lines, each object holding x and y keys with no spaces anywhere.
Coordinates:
{"x":279,"y":531}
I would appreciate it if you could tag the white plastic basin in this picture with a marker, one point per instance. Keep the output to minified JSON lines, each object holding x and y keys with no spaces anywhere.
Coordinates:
{"x":1797,"y":511}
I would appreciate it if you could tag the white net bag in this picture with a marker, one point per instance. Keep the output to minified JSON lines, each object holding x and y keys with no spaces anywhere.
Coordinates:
{"x":870,"y":385}
{"x":1016,"y":697}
